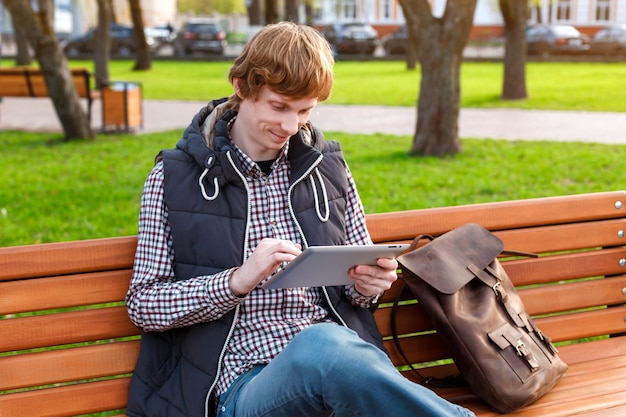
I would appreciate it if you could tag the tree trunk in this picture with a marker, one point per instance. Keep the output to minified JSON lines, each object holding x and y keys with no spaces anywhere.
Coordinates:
{"x":440,"y":43}
{"x":271,"y":11}
{"x":143,"y":60}
{"x":412,"y":44}
{"x":254,"y":12}
{"x":438,"y":108}
{"x":514,"y":13}
{"x":291,"y":10}
{"x":23,"y":55}
{"x":102,"y":44}
{"x":40,"y":34}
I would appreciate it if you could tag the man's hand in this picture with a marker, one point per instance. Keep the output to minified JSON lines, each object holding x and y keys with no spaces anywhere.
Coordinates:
{"x":370,"y":280}
{"x":265,"y":259}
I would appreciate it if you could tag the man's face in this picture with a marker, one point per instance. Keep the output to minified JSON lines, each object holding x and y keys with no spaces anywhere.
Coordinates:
{"x":266,"y":123}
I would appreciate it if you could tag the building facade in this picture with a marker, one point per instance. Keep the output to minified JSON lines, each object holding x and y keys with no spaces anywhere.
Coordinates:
{"x":386,"y":15}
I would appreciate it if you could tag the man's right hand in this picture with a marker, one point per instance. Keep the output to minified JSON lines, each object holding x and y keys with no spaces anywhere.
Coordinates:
{"x":265,"y":259}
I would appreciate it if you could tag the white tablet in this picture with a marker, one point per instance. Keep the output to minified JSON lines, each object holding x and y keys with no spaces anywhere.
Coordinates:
{"x":318,"y":266}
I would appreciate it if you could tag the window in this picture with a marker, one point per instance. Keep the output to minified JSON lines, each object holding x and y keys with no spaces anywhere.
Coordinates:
{"x":564,"y":10}
{"x":387,"y":7}
{"x":349,"y":9}
{"x":603,"y":10}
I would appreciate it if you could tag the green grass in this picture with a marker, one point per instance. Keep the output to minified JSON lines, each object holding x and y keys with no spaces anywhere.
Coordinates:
{"x":564,"y":86}
{"x":57,"y":191}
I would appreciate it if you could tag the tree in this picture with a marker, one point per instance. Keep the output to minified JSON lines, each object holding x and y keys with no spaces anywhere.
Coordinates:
{"x":411,"y":51}
{"x":440,"y":42}
{"x":291,"y":10}
{"x":102,"y":43}
{"x":515,"y":13}
{"x":254,"y":12}
{"x":23,"y":56}
{"x":38,"y":29}
{"x":143,"y":60}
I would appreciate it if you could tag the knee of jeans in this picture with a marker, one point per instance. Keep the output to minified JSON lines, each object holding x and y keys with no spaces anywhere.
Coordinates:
{"x":328,"y":343}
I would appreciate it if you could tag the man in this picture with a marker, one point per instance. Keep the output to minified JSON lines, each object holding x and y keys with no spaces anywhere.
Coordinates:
{"x":251,"y":183}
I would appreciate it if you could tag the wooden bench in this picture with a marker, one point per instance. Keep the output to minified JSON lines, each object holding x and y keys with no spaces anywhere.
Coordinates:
{"x":68,"y":347}
{"x":30,"y":82}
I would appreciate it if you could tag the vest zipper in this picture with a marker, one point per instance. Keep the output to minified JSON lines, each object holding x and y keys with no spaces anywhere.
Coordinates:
{"x":207,"y":402}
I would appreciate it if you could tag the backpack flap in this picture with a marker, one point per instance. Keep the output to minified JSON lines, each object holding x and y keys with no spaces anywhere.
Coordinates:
{"x":473,"y":246}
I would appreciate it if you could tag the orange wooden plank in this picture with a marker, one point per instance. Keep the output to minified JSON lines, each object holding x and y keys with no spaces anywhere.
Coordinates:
{"x":498,"y":215}
{"x":574,"y":236}
{"x":67,"y":365}
{"x":51,"y":292}
{"x":563,"y":267}
{"x":576,"y":295}
{"x":593,"y":350}
{"x":65,"y":328}
{"x":67,"y":401}
{"x":49,"y":259}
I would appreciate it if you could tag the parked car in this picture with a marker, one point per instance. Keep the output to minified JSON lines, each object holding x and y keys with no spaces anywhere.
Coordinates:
{"x":200,"y":35}
{"x":163,"y":34}
{"x":396,"y":42}
{"x":610,"y":40}
{"x":351,"y":37}
{"x":123,"y":42}
{"x":545,"y":40}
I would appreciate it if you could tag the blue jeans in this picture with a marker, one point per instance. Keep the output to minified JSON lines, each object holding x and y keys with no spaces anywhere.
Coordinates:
{"x":328,"y":370}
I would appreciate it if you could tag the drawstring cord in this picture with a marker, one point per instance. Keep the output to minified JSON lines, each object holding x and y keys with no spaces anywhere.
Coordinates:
{"x":323,"y":218}
{"x":216,"y":185}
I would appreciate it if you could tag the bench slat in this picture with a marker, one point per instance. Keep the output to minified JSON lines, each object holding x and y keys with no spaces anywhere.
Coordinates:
{"x":65,"y":328}
{"x":565,"y":237}
{"x":51,"y":292}
{"x":49,"y":259}
{"x":67,"y":401}
{"x":576,"y":295}
{"x":585,"y":324}
{"x":553,"y":269}
{"x":67,"y":365}
{"x":497,"y":216}
{"x":598,"y":349}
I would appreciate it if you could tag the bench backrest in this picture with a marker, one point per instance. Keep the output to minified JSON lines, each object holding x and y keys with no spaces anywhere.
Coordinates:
{"x":29,"y":82}
{"x":62,"y":318}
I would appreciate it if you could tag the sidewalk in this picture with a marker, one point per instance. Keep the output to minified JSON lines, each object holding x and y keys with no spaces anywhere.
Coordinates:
{"x":38,"y":115}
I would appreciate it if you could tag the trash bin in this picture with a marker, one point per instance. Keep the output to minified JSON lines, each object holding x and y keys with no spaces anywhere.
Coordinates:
{"x":122,"y":107}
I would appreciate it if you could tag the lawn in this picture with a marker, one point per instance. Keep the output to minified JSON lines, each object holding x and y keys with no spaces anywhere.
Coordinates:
{"x":551,"y":85}
{"x":57,"y":191}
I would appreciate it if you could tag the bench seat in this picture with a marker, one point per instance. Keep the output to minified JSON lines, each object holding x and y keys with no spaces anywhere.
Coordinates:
{"x":68,"y":347}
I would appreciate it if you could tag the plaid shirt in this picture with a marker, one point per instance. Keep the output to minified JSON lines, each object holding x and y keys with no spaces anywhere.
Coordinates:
{"x":267,"y":319}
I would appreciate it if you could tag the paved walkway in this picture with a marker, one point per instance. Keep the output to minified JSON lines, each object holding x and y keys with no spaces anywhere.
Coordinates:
{"x":38,"y":115}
